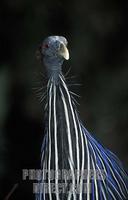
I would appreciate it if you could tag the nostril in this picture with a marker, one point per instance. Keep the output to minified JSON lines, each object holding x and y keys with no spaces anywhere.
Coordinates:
{"x":61,"y":46}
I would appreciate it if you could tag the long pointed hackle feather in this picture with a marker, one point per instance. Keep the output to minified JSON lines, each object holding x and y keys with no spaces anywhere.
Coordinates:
{"x":68,"y":145}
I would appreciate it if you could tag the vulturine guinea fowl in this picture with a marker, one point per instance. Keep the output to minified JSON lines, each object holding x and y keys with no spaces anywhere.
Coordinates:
{"x":93,"y":172}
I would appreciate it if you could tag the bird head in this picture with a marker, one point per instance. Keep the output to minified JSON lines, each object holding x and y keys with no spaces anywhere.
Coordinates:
{"x":53,"y":51}
{"x":55,"y":46}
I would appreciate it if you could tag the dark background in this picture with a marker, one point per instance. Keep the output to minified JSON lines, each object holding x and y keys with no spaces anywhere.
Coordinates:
{"x":97,"y":32}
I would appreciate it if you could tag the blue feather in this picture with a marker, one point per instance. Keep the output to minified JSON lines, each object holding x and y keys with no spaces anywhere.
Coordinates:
{"x":69,"y":146}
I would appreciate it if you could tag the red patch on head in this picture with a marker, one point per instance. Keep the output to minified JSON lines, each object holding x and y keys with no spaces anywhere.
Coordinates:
{"x":46,"y":46}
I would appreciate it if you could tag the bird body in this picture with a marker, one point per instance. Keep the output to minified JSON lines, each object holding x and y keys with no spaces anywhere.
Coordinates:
{"x":94,"y":172}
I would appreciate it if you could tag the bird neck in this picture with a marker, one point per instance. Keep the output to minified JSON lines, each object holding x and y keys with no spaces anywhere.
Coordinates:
{"x":53,"y":66}
{"x":63,"y":126}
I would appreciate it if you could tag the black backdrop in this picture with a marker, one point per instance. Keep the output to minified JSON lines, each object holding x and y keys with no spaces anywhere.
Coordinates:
{"x":97,"y":32}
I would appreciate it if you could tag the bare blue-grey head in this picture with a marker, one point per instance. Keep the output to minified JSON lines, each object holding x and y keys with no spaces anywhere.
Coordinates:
{"x":54,"y":51}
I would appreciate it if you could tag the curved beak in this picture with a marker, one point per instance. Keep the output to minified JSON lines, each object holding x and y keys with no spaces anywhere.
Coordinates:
{"x":63,"y":51}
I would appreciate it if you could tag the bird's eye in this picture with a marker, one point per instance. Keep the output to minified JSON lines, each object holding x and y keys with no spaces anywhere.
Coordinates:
{"x":46,"y":46}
